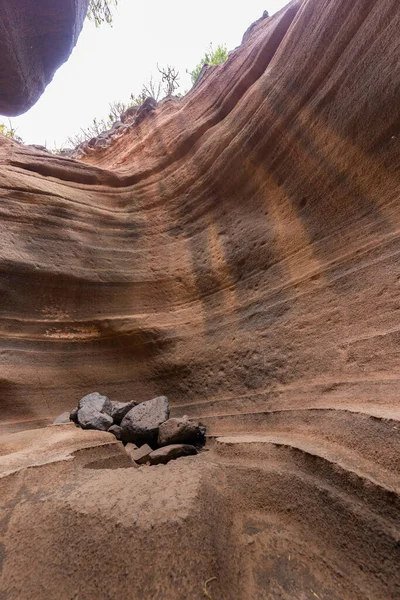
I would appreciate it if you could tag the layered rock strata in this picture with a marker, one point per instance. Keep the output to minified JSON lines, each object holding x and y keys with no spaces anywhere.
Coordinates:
{"x":236,"y":250}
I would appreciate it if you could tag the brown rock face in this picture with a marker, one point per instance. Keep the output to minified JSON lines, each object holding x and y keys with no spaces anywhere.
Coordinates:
{"x":36,"y":37}
{"x":180,"y":431}
{"x":235,"y":250}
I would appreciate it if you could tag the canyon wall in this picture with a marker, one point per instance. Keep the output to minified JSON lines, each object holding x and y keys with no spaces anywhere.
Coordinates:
{"x":236,"y":249}
{"x":36,"y":37}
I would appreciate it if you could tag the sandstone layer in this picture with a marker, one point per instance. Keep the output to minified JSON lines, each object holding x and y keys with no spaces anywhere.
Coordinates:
{"x":36,"y":37}
{"x":235,"y":250}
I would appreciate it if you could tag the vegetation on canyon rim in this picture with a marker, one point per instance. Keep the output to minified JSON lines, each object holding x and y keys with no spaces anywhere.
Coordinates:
{"x":211,"y":57}
{"x":9,"y":131}
{"x":167,"y":84}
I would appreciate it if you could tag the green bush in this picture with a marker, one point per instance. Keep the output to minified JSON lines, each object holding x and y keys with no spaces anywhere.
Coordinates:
{"x":9,"y":131}
{"x":211,"y":57}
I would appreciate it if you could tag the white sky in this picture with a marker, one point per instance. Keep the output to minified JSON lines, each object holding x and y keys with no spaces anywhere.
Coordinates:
{"x":109,"y":63}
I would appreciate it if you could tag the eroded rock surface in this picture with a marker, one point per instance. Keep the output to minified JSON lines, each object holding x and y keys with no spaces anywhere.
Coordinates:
{"x":237,"y":250}
{"x":180,"y":431}
{"x":120,"y":409}
{"x":35,"y":39}
{"x":224,"y":250}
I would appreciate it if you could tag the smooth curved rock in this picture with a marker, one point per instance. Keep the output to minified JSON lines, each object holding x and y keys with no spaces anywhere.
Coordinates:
{"x":162,"y":456}
{"x":62,"y":419}
{"x":36,"y":37}
{"x":231,"y":253}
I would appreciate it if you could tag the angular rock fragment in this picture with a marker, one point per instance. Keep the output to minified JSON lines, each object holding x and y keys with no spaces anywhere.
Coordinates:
{"x":129,"y":113}
{"x":96,"y":402}
{"x":148,"y":106}
{"x":139,"y":455}
{"x":167,"y":453}
{"x":180,"y":431}
{"x":115,"y":430}
{"x":120,"y":409}
{"x":140,"y":425}
{"x":90,"y":418}
{"x":94,"y":412}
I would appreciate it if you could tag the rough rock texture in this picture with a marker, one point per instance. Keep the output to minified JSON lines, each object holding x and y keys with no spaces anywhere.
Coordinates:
{"x":180,"y":431}
{"x":97,"y":402}
{"x":90,"y":418}
{"x":236,"y":250}
{"x":83,"y":503}
{"x":162,"y":456}
{"x":94,"y":412}
{"x":36,"y":37}
{"x":140,"y":425}
{"x":120,"y":409}
{"x":226,"y":251}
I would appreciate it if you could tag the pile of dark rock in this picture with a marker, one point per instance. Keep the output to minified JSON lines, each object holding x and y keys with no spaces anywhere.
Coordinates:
{"x":149,"y":435}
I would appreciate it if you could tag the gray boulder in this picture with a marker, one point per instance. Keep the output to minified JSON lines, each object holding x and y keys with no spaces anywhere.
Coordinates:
{"x":140,"y":425}
{"x":63,"y":418}
{"x":129,"y":113}
{"x":148,"y":106}
{"x":115,"y":430}
{"x":120,"y":409}
{"x":167,"y":453}
{"x":180,"y":431}
{"x":90,"y":418}
{"x":96,"y":402}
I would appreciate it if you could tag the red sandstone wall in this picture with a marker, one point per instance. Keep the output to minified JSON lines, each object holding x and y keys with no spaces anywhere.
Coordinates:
{"x":237,"y":250}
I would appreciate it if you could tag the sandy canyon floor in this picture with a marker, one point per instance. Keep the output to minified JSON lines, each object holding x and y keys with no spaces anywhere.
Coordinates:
{"x":253,"y":515}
